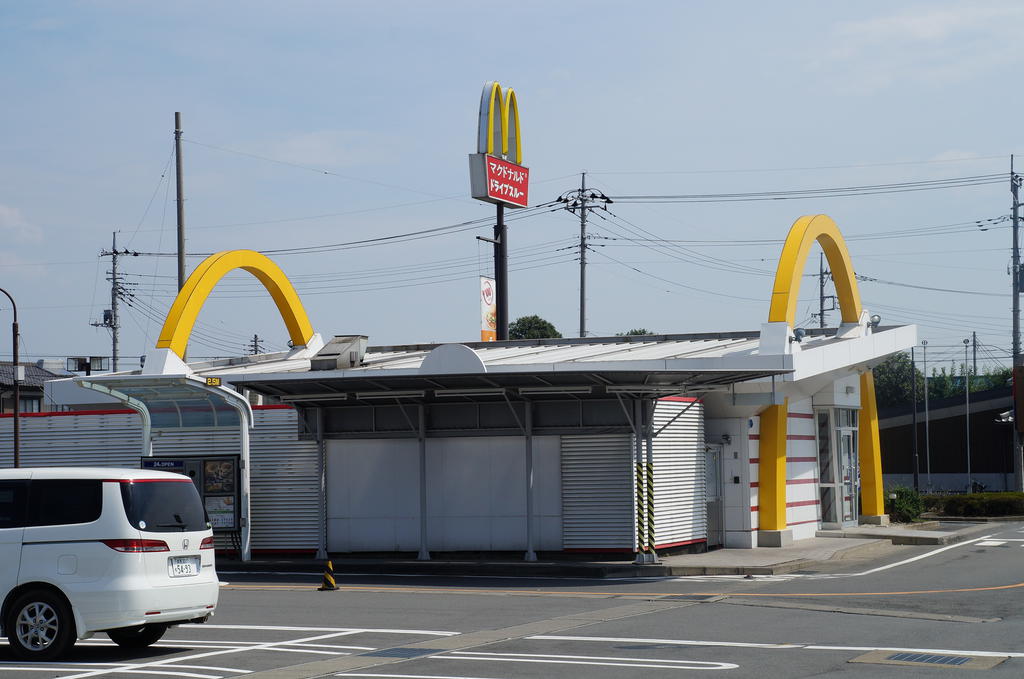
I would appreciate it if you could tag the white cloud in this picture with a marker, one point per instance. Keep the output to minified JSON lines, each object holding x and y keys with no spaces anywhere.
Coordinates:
{"x":336,"y":148}
{"x":14,"y":225}
{"x":931,"y":45}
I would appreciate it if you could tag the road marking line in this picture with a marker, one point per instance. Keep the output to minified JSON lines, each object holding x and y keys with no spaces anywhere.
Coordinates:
{"x":691,"y":642}
{"x":657,"y":595}
{"x":921,"y":556}
{"x":302,"y":649}
{"x":218,"y":669}
{"x":349,"y":630}
{"x":721,"y":666}
{"x":711,"y":665}
{"x":991,"y":543}
{"x":406,"y":676}
{"x":167,"y":662}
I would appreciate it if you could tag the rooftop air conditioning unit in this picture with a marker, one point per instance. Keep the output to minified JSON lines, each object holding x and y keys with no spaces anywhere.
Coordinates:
{"x":343,"y":351}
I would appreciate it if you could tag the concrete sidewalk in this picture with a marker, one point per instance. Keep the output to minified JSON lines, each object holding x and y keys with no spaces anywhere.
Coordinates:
{"x":803,"y":555}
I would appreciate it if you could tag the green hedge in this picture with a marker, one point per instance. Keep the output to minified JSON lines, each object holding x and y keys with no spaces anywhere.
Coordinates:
{"x":976,"y":504}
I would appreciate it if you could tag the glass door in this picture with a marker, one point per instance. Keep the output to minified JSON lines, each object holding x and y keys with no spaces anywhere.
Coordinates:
{"x":850,"y":475}
{"x":826,"y":470}
{"x":713,"y":494}
{"x":838,"y":470}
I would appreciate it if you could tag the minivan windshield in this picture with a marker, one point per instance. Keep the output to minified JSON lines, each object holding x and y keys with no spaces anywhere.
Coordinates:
{"x":163,"y":506}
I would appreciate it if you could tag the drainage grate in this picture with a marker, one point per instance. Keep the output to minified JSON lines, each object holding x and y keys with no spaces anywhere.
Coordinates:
{"x":403,"y":652}
{"x":929,"y":658}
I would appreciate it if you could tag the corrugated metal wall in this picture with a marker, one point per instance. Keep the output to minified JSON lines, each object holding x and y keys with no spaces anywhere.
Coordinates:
{"x":680,"y":503}
{"x":285,"y":477}
{"x":597,"y":493}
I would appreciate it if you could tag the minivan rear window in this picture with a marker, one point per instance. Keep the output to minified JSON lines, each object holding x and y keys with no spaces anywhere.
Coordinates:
{"x":56,"y":502}
{"x":163,"y":506}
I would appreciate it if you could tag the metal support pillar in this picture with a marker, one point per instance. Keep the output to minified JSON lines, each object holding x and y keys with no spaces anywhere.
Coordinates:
{"x":424,"y":554}
{"x":246,"y":509}
{"x":649,"y":445}
{"x":321,"y":446}
{"x":531,"y":555}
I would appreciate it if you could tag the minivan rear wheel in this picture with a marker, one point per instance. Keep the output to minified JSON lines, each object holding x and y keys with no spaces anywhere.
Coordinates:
{"x":40,"y":626}
{"x":139,"y":636}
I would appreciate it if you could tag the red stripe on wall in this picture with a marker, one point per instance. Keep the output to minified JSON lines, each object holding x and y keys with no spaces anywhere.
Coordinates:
{"x":803,"y":416}
{"x":789,"y":482}
{"x":757,"y":460}
{"x":666,"y":545}
{"x":70,"y":413}
{"x":681,"y":399}
{"x":802,"y":503}
{"x":789,"y":437}
{"x":67,"y":413}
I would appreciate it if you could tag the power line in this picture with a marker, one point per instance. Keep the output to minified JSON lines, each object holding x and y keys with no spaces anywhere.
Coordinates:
{"x":833,"y":192}
{"x":370,"y":242}
{"x":801,"y":169}
{"x":871,"y":279}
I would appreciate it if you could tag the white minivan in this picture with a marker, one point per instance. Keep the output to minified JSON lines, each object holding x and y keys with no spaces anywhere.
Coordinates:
{"x":127,"y":552}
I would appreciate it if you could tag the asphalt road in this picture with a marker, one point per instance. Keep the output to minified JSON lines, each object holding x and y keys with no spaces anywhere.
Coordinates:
{"x":962,"y":602}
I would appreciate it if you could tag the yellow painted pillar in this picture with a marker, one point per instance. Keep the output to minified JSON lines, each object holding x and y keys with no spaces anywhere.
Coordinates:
{"x":869,"y":450}
{"x":771,"y":471}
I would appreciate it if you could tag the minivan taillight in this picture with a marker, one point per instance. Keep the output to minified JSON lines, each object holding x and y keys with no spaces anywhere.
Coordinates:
{"x":207,"y":543}
{"x":137,"y":545}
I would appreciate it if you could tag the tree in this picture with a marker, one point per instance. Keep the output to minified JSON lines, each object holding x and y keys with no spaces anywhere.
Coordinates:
{"x":893,"y":387}
{"x":531,"y":327}
{"x":892,"y":381}
{"x":636,"y":331}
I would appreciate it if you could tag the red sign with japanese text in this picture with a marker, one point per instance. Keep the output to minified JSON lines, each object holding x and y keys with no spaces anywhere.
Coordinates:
{"x":499,"y":181}
{"x":507,"y":182}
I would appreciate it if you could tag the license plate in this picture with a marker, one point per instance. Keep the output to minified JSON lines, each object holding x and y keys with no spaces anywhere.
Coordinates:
{"x":183,"y":566}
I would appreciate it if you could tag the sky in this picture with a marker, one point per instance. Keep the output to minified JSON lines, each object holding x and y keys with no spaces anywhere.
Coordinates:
{"x":314,"y":124}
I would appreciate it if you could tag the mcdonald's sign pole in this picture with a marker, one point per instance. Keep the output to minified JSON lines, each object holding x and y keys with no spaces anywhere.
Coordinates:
{"x":497,"y":175}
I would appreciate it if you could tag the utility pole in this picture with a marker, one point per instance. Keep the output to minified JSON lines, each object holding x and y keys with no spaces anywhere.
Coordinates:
{"x":255,"y":347}
{"x":111,"y":318}
{"x":1018,"y":453}
{"x":181,"y":201}
{"x":584,"y":200}
{"x":823,"y":274}
{"x":821,"y":289}
{"x":974,"y":351}
{"x":583,"y":254}
{"x":927,"y":442}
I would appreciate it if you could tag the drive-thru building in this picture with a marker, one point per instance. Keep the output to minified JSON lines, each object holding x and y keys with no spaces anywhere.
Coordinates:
{"x":624,"y":444}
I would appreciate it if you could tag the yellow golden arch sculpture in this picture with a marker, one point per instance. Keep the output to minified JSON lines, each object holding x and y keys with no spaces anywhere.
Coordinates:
{"x":189,"y":302}
{"x":804,"y":233}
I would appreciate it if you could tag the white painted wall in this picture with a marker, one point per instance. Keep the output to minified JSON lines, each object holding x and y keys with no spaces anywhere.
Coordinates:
{"x":802,"y":497}
{"x":476,"y":494}
{"x":736,"y":490}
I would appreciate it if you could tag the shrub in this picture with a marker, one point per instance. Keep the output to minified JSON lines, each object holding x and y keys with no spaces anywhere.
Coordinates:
{"x":980,"y":504}
{"x":906,"y":506}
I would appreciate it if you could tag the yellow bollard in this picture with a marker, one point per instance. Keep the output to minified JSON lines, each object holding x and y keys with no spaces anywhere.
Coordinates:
{"x":328,"y":579}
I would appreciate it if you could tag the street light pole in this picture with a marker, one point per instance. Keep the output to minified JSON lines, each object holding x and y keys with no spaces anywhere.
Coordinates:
{"x":967,"y":414}
{"x":17,"y":381}
{"x":927,"y":447}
